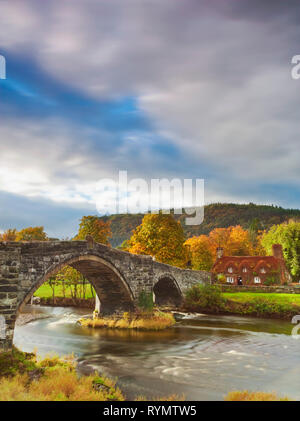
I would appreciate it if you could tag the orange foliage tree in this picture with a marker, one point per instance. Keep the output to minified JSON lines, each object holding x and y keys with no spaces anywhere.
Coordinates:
{"x":9,"y":235}
{"x":234,"y":240}
{"x":94,"y":226}
{"x":161,"y":236}
{"x":32,"y":234}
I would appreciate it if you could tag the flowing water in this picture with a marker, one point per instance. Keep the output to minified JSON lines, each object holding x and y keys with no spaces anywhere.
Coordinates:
{"x":203,"y":357}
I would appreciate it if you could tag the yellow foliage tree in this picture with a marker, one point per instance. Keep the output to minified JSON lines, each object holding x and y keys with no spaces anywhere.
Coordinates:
{"x":161,"y":236}
{"x":200,"y":252}
{"x":32,"y":234}
{"x":94,"y":226}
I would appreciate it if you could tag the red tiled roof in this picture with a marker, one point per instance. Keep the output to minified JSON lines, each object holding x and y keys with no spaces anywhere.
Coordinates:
{"x":252,"y":262}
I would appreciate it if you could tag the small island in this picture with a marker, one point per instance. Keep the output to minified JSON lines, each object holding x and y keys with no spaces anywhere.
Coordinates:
{"x":154,"y":320}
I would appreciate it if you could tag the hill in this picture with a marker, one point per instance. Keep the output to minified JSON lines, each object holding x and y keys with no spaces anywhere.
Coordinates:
{"x":216,"y":215}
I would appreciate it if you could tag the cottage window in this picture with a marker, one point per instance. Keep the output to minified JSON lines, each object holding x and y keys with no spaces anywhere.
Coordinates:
{"x":230,"y":280}
{"x":244,"y":270}
{"x":230,"y":269}
{"x":257,"y":280}
{"x":263,"y":270}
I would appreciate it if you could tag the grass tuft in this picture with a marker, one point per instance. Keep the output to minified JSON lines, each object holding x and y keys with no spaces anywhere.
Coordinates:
{"x":245,"y":395}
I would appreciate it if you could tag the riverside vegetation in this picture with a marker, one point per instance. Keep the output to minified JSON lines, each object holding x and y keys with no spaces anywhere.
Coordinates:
{"x":156,"y":320}
{"x":144,"y":318}
{"x":210,"y":299}
{"x":24,"y":377}
{"x":245,"y":395}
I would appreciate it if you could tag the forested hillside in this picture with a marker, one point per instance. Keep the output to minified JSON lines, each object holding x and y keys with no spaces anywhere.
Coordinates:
{"x":217,"y":215}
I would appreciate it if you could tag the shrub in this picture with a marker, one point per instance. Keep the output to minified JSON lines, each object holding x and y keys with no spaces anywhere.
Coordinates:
{"x":208,"y":297}
{"x":15,"y":362}
{"x":58,"y":381}
{"x":221,"y":278}
{"x":271,"y":280}
{"x":145,"y":301}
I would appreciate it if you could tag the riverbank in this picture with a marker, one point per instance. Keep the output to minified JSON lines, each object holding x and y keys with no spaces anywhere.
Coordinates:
{"x":209,"y":299}
{"x":68,"y":302}
{"x":23,"y":377}
{"x":31,"y":313}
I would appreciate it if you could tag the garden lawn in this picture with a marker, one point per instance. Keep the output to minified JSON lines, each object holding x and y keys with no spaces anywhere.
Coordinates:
{"x":247,"y":297}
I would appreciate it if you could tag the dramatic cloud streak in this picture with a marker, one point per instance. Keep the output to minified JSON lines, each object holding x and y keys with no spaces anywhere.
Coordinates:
{"x":172,"y":88}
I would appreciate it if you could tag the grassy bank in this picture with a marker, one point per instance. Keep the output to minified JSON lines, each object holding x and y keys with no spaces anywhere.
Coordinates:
{"x":25,"y":378}
{"x":244,"y":297}
{"x":45,"y":291}
{"x":144,"y":321}
{"x":210,"y":299}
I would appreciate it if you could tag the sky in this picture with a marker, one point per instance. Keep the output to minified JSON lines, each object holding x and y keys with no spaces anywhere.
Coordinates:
{"x":161,"y":89}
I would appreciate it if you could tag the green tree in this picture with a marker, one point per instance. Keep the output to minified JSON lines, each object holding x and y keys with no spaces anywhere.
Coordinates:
{"x":288,"y":235}
{"x":255,"y":228}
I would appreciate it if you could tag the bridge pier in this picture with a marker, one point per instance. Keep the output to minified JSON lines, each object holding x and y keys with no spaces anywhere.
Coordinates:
{"x":97,"y":304}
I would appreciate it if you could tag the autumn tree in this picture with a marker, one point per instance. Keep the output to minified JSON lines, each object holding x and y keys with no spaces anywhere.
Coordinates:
{"x":32,"y":234}
{"x":94,"y":226}
{"x":162,"y":237}
{"x":200,"y":252}
{"x":9,"y":235}
{"x":235,"y":241}
{"x":288,"y":235}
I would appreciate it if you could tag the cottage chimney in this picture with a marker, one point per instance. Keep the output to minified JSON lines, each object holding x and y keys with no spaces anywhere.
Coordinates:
{"x":277,"y":251}
{"x":220,"y":252}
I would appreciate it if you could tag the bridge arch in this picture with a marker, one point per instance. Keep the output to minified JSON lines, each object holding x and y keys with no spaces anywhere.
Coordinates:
{"x":167,"y":291}
{"x":110,"y":285}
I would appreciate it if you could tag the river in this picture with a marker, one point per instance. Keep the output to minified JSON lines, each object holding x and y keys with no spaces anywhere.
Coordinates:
{"x":203,"y":357}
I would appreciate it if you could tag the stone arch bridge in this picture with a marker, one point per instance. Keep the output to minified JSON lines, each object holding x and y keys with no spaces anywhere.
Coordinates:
{"x":117,"y":276}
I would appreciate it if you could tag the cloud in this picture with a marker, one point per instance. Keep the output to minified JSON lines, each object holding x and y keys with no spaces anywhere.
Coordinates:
{"x":206,"y":89}
{"x":59,"y":221}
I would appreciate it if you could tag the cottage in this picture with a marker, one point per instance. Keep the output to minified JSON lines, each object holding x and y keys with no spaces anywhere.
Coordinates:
{"x":252,"y":270}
